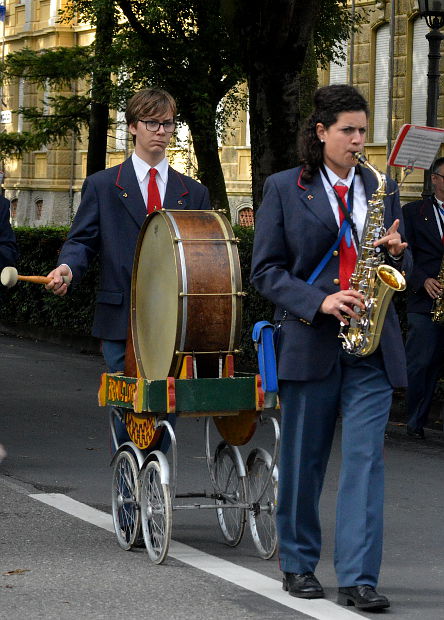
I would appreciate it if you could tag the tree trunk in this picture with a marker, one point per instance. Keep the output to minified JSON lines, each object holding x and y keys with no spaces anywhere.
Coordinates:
{"x":97,"y":139}
{"x":280,"y":99}
{"x":207,"y":154}
{"x":273,"y":37}
{"x":100,"y":91}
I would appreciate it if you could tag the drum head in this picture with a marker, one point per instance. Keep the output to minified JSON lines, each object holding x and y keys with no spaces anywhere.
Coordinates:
{"x":155,"y":298}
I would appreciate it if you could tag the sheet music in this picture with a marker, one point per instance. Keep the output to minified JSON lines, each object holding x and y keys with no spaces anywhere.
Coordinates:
{"x":416,"y":146}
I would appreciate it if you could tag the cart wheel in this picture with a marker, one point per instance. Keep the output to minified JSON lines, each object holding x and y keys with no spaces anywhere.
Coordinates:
{"x":263,"y":500}
{"x":125,"y":499}
{"x":231,"y":490}
{"x":156,"y":513}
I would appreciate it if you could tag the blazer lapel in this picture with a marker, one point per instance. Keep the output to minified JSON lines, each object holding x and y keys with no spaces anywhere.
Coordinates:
{"x":177,"y":194}
{"x":316,"y":200}
{"x":129,"y":192}
{"x":428,"y":220}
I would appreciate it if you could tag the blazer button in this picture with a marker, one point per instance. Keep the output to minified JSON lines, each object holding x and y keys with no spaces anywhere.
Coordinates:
{"x":335,"y":253}
{"x":336,"y":281}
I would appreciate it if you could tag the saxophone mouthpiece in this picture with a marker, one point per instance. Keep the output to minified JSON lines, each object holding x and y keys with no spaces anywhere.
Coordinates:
{"x":360,"y":157}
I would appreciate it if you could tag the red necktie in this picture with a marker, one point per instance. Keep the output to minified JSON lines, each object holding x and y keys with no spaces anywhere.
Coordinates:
{"x":347,"y":255}
{"x":154,"y":201}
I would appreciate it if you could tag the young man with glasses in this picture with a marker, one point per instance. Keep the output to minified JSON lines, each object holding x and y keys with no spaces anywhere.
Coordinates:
{"x":424,"y":229}
{"x":113,"y":207}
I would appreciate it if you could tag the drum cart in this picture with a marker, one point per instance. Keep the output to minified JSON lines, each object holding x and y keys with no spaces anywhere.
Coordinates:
{"x":144,"y":483}
{"x":180,"y":363}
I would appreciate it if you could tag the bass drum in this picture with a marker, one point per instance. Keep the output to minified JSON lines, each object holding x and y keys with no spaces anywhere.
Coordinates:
{"x":186,"y":293}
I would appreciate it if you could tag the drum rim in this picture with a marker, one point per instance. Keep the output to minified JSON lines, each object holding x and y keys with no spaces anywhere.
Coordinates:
{"x":162,"y":213}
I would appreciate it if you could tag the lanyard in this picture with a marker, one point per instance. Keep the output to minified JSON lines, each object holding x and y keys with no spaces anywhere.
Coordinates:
{"x":346,"y":212}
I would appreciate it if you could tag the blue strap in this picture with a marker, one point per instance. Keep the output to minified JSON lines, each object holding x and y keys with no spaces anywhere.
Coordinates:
{"x":342,"y":231}
{"x":263,"y":339}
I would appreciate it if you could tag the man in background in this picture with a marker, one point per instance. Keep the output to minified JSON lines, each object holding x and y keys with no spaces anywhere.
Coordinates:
{"x":424,"y":228}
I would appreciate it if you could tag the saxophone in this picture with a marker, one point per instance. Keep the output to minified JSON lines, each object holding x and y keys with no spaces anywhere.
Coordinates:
{"x":438,"y":303}
{"x":377,"y":282}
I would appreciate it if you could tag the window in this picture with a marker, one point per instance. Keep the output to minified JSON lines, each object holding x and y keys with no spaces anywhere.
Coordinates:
{"x":245,"y":216}
{"x":381,"y":84}
{"x":38,"y":209}
{"x":14,"y":202}
{"x":21,"y":90}
{"x":338,"y":72}
{"x":121,"y":132}
{"x":420,"y":50}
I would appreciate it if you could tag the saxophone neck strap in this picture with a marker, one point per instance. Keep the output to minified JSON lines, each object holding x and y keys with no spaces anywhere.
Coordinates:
{"x":346,"y":211}
{"x":327,"y":256}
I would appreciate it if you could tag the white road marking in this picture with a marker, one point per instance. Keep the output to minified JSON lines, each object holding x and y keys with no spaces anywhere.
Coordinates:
{"x":320,"y":609}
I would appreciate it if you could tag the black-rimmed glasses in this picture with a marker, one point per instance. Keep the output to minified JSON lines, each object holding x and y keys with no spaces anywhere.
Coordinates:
{"x":169,"y":126}
{"x":435,"y":173}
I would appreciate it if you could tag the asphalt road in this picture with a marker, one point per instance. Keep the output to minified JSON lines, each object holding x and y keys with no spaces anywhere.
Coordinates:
{"x":56,"y":565}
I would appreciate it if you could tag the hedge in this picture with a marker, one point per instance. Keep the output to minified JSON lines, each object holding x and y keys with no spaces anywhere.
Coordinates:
{"x":32,"y":306}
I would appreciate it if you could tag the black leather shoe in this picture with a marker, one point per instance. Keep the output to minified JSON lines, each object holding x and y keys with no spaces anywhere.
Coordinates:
{"x":362,"y":597}
{"x":416,"y":433}
{"x":302,"y":586}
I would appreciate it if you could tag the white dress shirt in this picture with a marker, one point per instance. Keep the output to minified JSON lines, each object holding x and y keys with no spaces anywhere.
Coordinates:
{"x":142,"y":169}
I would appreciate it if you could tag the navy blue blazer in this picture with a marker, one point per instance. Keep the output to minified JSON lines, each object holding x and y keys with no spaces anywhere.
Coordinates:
{"x":295,"y":227}
{"x":424,"y":239}
{"x":8,"y":245}
{"x":108,"y":221}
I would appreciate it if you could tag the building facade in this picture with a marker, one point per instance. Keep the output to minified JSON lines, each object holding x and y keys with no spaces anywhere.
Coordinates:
{"x":386,"y":60}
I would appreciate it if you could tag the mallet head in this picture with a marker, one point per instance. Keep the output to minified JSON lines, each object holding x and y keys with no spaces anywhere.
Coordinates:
{"x":9,"y":276}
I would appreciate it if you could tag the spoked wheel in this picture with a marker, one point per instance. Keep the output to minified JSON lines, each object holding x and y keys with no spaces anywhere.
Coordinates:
{"x":125,"y":499}
{"x":231,"y":490}
{"x":156,"y":513}
{"x":263,"y":500}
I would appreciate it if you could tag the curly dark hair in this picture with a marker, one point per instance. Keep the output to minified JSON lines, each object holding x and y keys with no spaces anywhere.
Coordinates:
{"x":329,"y":101}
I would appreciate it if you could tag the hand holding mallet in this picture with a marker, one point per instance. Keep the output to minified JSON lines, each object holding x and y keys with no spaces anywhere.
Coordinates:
{"x":9,"y":277}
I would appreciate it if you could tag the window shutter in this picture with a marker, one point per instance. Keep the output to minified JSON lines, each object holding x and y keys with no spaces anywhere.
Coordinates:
{"x":420,"y":53}
{"x":381,"y":84}
{"x":338,"y":72}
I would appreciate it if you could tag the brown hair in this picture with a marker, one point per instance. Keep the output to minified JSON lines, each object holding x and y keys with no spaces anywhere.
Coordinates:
{"x":149,"y":102}
{"x":329,"y":102}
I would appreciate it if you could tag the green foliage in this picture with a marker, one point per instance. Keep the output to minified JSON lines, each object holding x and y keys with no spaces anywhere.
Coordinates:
{"x":31,"y":304}
{"x":333,"y":26}
{"x":255,"y":308}
{"x":14,"y":143}
{"x":56,"y":67}
{"x":69,"y":115}
{"x":183,"y":47}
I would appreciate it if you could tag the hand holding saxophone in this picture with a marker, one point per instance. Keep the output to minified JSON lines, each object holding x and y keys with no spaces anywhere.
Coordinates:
{"x":392,"y":240}
{"x":343,"y":303}
{"x":433,"y":288}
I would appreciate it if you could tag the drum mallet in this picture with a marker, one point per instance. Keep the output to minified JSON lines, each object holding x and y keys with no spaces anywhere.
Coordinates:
{"x":9,"y":277}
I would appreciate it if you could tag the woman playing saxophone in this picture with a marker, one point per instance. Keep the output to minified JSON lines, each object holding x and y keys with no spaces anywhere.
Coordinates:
{"x":307,"y":237}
